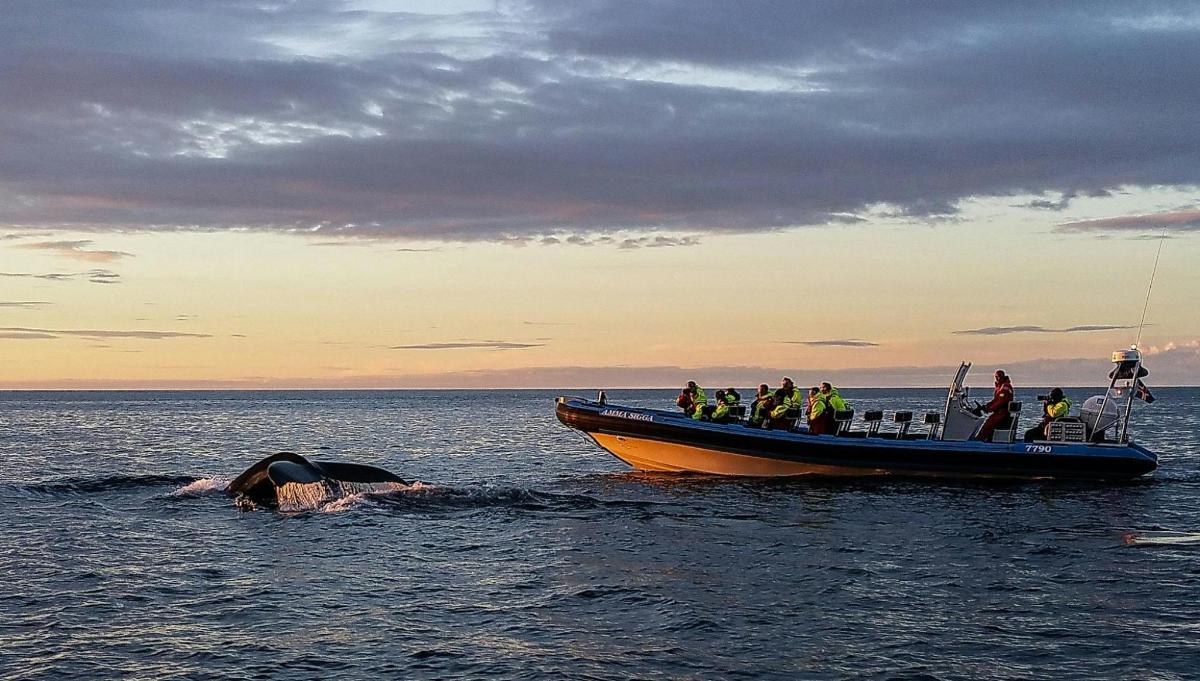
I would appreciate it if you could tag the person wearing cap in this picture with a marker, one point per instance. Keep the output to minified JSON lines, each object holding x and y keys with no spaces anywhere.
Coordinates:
{"x":1056,"y":407}
{"x":997,"y":408}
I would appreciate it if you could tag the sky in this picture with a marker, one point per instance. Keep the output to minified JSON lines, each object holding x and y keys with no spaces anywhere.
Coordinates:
{"x":467,"y":194}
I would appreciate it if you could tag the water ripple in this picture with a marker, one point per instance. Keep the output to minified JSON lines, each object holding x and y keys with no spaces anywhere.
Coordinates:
{"x":527,"y":553}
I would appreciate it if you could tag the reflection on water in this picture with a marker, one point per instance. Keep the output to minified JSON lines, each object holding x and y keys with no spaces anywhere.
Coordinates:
{"x":526,"y":552}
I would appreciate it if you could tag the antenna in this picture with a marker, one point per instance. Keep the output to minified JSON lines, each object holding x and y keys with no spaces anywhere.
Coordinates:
{"x":1150,"y":288}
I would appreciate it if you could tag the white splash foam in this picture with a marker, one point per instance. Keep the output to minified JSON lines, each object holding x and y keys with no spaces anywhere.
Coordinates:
{"x":346,"y":502}
{"x":200,"y":487}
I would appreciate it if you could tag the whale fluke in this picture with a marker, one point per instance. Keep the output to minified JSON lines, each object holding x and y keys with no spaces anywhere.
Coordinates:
{"x":288,"y":476}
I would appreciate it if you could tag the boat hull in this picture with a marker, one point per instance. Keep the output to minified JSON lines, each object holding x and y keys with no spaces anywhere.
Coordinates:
{"x":652,"y":440}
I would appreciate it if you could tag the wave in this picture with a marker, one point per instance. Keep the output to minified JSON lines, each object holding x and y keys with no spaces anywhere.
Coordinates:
{"x":416,"y":497}
{"x":104,"y":484}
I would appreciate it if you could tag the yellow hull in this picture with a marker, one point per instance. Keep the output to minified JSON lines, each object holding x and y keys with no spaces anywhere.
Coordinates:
{"x":652,"y":455}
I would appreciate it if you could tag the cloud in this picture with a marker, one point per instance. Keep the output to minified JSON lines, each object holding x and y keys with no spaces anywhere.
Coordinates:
{"x":94,"y":276}
{"x":463,"y":345}
{"x":96,"y":333}
{"x":25,"y":304}
{"x":841,"y":342}
{"x":77,"y":249}
{"x":539,"y":119}
{"x":1178,"y":366}
{"x":658,"y":241}
{"x":1173,"y":221}
{"x":1027,"y":328}
{"x":18,"y":335}
{"x":342,"y":243}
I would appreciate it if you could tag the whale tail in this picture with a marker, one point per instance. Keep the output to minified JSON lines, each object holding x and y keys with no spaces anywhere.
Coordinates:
{"x":276,"y":478}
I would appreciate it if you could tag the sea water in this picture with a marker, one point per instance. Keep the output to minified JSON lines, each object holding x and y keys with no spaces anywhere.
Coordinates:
{"x":523,"y":551}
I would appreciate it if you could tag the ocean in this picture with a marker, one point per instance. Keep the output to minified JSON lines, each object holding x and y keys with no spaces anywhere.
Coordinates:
{"x":528,"y":553}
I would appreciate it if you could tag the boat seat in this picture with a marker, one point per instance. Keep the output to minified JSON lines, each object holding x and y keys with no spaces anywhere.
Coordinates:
{"x":842,"y":419}
{"x":904,"y":418}
{"x":933,"y":419}
{"x":873,"y":419}
{"x":1008,"y":434}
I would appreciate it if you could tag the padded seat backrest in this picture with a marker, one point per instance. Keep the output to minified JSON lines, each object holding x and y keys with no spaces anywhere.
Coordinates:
{"x":873,"y":419}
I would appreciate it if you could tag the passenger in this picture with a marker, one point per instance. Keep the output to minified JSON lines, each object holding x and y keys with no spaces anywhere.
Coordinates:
{"x":782,"y":405}
{"x":761,"y":407}
{"x":732,"y":397}
{"x":834,"y":398}
{"x":1056,"y":407}
{"x":818,"y":410}
{"x":794,"y":395}
{"x":692,"y":400}
{"x":834,"y":403}
{"x":719,"y":413}
{"x":1002,"y":396}
{"x":685,"y":401}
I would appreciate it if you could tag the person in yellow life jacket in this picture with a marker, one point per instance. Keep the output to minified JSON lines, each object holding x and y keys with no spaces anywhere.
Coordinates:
{"x":834,"y":398}
{"x":818,"y":408}
{"x":761,"y":407}
{"x":692,"y":400}
{"x":1056,"y":407}
{"x":835,"y":403}
{"x":719,"y":413}
{"x":781,"y":405}
{"x":795,"y":397}
{"x":699,"y":400}
{"x":732,"y":397}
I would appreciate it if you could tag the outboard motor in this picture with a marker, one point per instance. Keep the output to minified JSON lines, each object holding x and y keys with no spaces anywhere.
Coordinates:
{"x":1098,"y":415}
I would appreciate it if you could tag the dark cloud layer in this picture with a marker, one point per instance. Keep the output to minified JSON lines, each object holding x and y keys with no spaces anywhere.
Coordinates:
{"x":78,"y":249}
{"x":837,"y":342}
{"x":583,"y":118}
{"x":1029,"y":328}
{"x":94,"y":276}
{"x":97,"y":333}
{"x":1174,"y":366}
{"x":465,"y":345}
{"x":1172,"y":221}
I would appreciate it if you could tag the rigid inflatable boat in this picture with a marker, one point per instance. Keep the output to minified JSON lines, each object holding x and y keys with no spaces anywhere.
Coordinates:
{"x":1094,"y":446}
